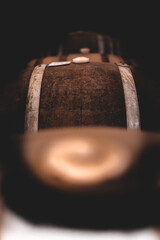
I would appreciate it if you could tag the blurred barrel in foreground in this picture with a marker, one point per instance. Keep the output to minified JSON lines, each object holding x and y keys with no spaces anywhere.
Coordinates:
{"x":95,"y":159}
{"x":85,"y":177}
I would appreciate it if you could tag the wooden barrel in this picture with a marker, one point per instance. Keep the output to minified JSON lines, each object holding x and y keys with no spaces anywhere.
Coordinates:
{"x":102,"y":183}
{"x":89,"y":94}
{"x":110,"y":48}
{"x":106,"y":91}
{"x":94,"y":57}
{"x":92,"y":159}
{"x":97,"y":42}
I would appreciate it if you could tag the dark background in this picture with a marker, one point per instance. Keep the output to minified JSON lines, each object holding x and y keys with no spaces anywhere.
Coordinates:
{"x":29,"y":29}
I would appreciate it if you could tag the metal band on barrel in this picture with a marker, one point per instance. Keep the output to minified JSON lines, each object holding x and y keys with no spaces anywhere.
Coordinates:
{"x":33,"y":98}
{"x":100,"y":43}
{"x":131,"y":99}
{"x":60,"y":50}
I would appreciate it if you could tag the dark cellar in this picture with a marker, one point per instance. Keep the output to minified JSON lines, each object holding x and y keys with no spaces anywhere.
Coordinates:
{"x":124,"y":207}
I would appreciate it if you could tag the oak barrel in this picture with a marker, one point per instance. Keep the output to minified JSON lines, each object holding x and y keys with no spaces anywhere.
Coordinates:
{"x":96,"y":41}
{"x":75,"y":95}
{"x":89,"y":94}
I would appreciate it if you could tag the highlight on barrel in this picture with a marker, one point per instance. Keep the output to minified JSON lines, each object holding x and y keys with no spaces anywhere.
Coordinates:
{"x":85,"y":158}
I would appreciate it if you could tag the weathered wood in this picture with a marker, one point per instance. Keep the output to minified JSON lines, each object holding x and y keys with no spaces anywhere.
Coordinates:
{"x":79,"y":95}
{"x":33,"y":97}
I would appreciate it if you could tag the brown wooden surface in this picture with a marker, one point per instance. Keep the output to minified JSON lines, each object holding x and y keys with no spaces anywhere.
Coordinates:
{"x":74,"y":95}
{"x":94,"y":57}
{"x":96,"y":159}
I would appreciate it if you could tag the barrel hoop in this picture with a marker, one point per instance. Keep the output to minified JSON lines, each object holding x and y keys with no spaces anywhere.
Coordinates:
{"x":60,"y":50}
{"x":118,"y":48}
{"x":33,"y":98}
{"x":110,"y":45}
{"x":130,"y":95}
{"x":100,"y":43}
